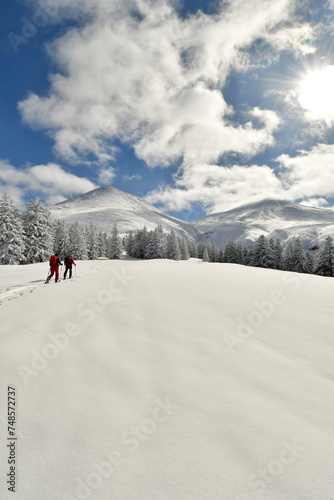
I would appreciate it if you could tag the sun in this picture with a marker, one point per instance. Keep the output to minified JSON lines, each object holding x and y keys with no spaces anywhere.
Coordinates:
{"x":316,"y":94}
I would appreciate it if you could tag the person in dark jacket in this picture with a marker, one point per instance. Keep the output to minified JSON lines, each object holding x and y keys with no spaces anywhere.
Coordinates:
{"x":69,"y":262}
{"x":54,"y":267}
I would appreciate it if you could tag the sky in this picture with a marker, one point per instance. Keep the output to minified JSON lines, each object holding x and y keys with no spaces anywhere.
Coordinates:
{"x":196,"y":106}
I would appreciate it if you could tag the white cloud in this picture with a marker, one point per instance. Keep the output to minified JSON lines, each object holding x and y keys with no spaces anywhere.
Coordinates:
{"x":153,"y":80}
{"x":134,"y":177}
{"x":309,"y":174}
{"x":218,"y":188}
{"x":50,"y":182}
{"x":106,"y":175}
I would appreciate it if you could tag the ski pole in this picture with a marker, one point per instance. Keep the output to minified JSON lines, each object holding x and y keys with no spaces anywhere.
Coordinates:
{"x":49,"y":272}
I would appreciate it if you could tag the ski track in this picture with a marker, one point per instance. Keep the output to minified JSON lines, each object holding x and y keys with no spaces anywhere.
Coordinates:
{"x":18,"y":291}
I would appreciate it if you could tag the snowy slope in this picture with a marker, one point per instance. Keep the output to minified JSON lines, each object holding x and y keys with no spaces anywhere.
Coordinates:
{"x":165,"y":380}
{"x":273,"y":218}
{"x":104,"y":206}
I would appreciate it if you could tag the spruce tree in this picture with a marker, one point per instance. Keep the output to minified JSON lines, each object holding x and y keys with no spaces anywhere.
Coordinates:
{"x":173,"y":247}
{"x":206,"y":257}
{"x":325,"y":265}
{"x":62,"y":238}
{"x":115,"y":250}
{"x":78,"y":244}
{"x":11,"y":233}
{"x":184,"y":249}
{"x":38,"y":232}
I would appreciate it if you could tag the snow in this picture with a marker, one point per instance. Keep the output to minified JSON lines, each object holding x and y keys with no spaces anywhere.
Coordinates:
{"x":273,"y":218}
{"x":168,"y":380}
{"x":107,"y":205}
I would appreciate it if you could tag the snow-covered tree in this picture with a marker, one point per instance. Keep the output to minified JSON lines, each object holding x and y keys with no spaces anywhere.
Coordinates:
{"x":78,"y":245}
{"x":11,"y":233}
{"x":93,"y":243}
{"x":193,"y":250}
{"x":325,"y":264}
{"x":173,"y":247}
{"x":103,"y":244}
{"x":62,"y":238}
{"x":294,"y":257}
{"x":206,"y":257}
{"x":233,"y":253}
{"x":139,"y":244}
{"x":156,"y":244}
{"x":261,"y":253}
{"x":213,"y":251}
{"x":115,"y":249}
{"x":309,"y":263}
{"x":184,"y":249}
{"x":38,"y":232}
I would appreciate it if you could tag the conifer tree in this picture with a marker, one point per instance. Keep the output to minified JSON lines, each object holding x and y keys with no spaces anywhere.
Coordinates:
{"x":93,"y":243}
{"x":115,"y":250}
{"x":78,"y":244}
{"x":325,"y":265}
{"x":206,"y":257}
{"x":38,"y":232}
{"x":261,"y":253}
{"x":184,"y":249}
{"x":11,"y":233}
{"x":62,"y":238}
{"x":173,"y":247}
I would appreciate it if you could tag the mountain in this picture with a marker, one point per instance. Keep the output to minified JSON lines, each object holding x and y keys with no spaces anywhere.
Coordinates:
{"x":106,"y":205}
{"x":273,"y":218}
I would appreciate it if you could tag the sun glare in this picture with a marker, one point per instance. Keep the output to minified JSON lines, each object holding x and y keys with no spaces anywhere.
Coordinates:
{"x":316,"y":94}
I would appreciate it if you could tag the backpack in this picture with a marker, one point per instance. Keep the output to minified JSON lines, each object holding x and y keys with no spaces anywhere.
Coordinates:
{"x":53,"y":260}
{"x":68,"y":261}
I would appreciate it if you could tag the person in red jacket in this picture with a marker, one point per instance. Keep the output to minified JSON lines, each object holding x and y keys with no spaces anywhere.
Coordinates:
{"x":54,"y":268}
{"x":69,"y":262}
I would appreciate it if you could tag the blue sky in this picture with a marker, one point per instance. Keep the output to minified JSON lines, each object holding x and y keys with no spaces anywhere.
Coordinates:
{"x":197,"y":106}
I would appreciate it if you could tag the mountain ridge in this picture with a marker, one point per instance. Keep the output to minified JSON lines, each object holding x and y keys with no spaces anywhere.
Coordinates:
{"x":274,"y":218}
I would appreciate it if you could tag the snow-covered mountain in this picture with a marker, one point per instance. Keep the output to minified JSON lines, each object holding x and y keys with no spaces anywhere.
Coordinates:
{"x":106,"y":205}
{"x":273,"y":218}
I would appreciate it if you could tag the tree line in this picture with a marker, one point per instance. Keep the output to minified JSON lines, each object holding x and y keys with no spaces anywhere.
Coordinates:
{"x":33,"y":236}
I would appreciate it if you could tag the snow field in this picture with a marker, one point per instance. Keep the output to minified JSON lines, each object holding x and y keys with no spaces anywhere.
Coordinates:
{"x":169,"y":380}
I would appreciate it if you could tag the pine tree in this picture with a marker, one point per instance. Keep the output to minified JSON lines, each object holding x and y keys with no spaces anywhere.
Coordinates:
{"x":62,"y":238}
{"x":261,"y":253}
{"x":300,"y":265}
{"x":139,"y":243}
{"x":213,"y":251}
{"x":11,"y":233}
{"x":78,"y":244}
{"x":115,"y":250}
{"x":128,"y":243}
{"x":294,"y":257}
{"x":102,"y":244}
{"x":38,"y":232}
{"x":184,"y":249}
{"x":173,"y":247}
{"x":288,"y":257}
{"x":93,"y":243}
{"x":325,"y":266}
{"x":206,"y":257}
{"x":309,"y":263}
{"x":193,"y":250}
{"x":232,"y":253}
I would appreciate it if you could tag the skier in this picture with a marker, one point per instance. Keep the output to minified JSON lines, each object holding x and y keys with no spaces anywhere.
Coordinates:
{"x":54,"y":267}
{"x":69,"y":262}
